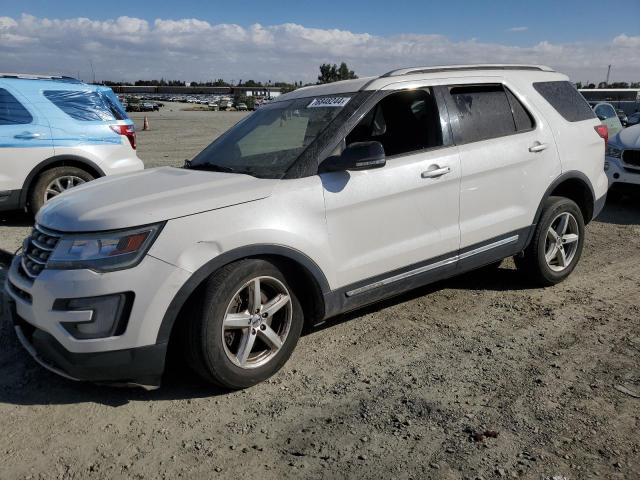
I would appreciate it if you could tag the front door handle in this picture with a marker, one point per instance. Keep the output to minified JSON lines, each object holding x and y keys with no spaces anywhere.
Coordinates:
{"x":27,"y":135}
{"x":435,"y":171}
{"x":538,"y":147}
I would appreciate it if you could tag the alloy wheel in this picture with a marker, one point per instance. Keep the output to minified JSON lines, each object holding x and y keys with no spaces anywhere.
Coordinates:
{"x":61,"y":184}
{"x":561,"y":243}
{"x":257,"y":322}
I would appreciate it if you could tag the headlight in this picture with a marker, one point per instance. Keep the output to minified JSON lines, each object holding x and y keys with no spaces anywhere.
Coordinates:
{"x":104,"y":251}
{"x":614,"y":152}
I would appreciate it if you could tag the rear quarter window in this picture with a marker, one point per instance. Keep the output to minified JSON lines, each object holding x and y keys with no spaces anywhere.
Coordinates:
{"x":85,"y":106}
{"x":565,"y":99}
{"x":11,"y":110}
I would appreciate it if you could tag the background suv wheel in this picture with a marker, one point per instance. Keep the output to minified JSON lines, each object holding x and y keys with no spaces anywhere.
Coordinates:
{"x":557,"y":243}
{"x":244,"y":325}
{"x":53,"y":182}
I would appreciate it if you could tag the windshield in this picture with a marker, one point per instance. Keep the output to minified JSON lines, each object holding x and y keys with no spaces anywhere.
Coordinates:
{"x":267,"y":142}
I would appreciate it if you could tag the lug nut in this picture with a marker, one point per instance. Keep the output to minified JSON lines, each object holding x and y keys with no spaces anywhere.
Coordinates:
{"x":263,"y":327}
{"x":253,"y":331}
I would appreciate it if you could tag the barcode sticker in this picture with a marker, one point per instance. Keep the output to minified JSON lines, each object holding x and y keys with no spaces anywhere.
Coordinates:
{"x":329,"y":102}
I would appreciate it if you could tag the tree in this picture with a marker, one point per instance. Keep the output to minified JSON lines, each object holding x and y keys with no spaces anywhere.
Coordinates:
{"x":332,"y":73}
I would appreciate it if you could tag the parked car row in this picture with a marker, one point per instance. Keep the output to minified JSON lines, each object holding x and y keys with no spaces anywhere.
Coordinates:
{"x":329,"y":198}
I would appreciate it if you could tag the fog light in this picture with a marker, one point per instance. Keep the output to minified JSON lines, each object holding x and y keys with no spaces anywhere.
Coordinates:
{"x":109,"y":315}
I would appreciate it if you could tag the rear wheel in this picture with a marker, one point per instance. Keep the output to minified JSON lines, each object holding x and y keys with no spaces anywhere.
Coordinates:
{"x":244,"y":326}
{"x":55,"y":181}
{"x":557,"y":243}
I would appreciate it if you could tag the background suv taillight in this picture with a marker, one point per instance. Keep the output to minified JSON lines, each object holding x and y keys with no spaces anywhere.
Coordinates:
{"x":603,"y":131}
{"x":128,"y":131}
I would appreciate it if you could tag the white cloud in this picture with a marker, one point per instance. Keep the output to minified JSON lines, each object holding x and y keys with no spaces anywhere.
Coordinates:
{"x":129,"y":48}
{"x":518,"y":29}
{"x":627,"y":41}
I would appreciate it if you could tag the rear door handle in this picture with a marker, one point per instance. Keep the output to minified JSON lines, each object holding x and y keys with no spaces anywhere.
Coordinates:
{"x":435,"y":171}
{"x":27,"y":135}
{"x":538,"y":147}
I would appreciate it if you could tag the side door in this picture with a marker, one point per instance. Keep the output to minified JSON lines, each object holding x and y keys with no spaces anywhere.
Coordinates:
{"x":25,"y":139}
{"x":387,"y":224}
{"x":508,"y":158}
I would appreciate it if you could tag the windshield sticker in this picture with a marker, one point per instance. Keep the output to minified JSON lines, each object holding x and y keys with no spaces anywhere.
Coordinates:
{"x":329,"y":102}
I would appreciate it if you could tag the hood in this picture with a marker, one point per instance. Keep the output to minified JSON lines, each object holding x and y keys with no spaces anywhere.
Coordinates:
{"x":627,"y":138}
{"x":148,"y":196}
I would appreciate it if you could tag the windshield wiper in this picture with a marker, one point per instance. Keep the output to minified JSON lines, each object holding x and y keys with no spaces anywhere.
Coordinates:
{"x":213,"y":167}
{"x":210,"y":167}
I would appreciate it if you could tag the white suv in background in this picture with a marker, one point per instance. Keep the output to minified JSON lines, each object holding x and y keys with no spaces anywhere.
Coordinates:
{"x":327,"y":199}
{"x":57,"y":133}
{"x":623,"y":157}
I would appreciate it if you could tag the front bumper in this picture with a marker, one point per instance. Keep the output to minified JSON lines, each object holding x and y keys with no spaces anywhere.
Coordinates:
{"x":133,"y":357}
{"x":142,"y":366}
{"x":617,"y":173}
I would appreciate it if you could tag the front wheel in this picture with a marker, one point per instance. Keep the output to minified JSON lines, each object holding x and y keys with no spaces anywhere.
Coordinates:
{"x":244,"y":326}
{"x":557,"y":243}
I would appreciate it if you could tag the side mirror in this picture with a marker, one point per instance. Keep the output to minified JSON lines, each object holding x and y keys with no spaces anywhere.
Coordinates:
{"x":357,"y":156}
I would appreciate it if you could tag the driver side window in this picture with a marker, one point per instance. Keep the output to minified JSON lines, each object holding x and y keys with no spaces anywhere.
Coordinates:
{"x":403,"y":122}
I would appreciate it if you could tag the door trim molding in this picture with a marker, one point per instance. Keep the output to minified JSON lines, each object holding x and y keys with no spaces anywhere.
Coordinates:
{"x":432,"y":266}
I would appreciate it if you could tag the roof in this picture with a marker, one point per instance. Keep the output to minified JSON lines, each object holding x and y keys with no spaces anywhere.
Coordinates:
{"x":375,"y":83}
{"x":27,"y":83}
{"x":344,"y":86}
{"x":458,"y":68}
{"x":32,"y":76}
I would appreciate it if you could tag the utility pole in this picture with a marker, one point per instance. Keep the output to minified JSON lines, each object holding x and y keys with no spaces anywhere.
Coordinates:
{"x":608,"y":73}
{"x":92,"y":70}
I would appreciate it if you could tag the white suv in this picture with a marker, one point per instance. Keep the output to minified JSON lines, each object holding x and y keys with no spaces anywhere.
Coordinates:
{"x":57,"y":133}
{"x":327,"y":199}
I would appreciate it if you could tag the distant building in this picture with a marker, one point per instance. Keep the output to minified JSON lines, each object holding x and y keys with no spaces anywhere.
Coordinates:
{"x":263,"y":92}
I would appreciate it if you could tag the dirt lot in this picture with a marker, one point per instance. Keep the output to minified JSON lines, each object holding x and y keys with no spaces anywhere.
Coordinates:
{"x":417,"y":387}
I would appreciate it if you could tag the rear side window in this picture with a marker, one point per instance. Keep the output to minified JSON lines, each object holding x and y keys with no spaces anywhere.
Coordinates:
{"x":11,"y":110}
{"x":566,"y":100}
{"x":85,"y":106}
{"x":484,"y":112}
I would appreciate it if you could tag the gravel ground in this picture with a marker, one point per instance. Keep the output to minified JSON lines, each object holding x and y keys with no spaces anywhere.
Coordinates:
{"x":477,"y":377}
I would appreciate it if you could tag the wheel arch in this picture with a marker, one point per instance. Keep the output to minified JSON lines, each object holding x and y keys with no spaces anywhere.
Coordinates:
{"x":304,"y":275}
{"x":575,"y":186}
{"x":57,"y":161}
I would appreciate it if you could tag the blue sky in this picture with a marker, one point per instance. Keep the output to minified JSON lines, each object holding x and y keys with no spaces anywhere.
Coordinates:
{"x":488,"y":21}
{"x":287,"y":40}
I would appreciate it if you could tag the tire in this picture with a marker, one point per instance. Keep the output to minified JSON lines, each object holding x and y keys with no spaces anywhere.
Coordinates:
{"x":533,"y":263}
{"x":72,"y":176}
{"x":214,"y":342}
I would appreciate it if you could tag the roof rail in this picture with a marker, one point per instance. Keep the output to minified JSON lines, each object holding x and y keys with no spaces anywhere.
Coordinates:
{"x":30,"y":76}
{"x":455,"y":68}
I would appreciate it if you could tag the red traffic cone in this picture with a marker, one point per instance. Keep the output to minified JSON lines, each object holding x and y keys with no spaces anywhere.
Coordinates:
{"x":145,"y":124}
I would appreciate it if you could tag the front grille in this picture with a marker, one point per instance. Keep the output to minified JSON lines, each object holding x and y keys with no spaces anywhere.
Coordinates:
{"x":631,"y":157}
{"x":36,"y":250}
